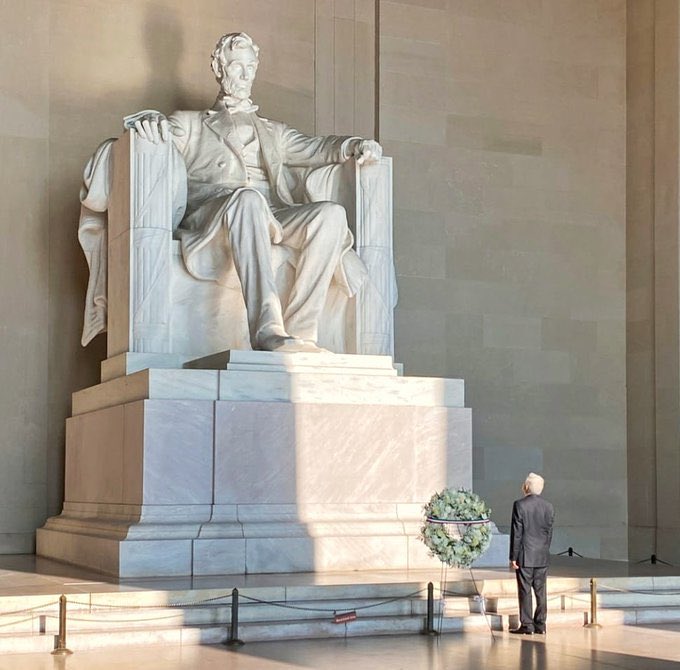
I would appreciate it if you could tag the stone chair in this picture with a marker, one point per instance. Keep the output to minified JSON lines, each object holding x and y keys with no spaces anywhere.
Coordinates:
{"x":157,"y":315}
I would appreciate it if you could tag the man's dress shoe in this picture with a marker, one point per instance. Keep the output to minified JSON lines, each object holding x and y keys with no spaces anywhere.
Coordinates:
{"x":522,"y":630}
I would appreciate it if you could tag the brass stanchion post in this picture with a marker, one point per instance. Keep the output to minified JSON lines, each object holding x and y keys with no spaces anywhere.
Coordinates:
{"x":60,"y":649}
{"x":232,"y":640}
{"x":429,"y":620}
{"x":593,"y":605}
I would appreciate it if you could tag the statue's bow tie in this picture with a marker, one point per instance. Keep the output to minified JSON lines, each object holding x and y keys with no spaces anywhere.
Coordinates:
{"x":234,"y":105}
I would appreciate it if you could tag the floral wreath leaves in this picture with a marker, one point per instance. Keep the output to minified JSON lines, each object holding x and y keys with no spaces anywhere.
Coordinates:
{"x":461,"y":549}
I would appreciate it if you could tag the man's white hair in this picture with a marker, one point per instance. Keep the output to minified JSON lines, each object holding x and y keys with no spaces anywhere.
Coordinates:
{"x":226,"y":43}
{"x":534,"y":484}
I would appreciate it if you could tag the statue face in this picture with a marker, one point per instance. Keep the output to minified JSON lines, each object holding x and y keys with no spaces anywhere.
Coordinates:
{"x":239,"y":74}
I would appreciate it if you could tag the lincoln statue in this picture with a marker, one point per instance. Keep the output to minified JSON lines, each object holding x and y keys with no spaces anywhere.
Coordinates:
{"x":240,"y":201}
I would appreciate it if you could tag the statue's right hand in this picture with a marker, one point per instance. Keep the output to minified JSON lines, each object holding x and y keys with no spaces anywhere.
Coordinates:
{"x":149,"y":125}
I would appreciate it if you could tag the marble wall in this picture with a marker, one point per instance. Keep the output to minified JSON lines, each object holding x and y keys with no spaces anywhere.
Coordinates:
{"x":506,"y":120}
{"x":24,"y":269}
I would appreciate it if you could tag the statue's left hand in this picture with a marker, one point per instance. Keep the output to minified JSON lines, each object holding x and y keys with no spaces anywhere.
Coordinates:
{"x":367,"y":151}
{"x":149,"y":124}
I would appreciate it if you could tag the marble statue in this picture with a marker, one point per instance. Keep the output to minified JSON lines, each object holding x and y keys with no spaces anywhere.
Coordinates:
{"x":240,"y":202}
{"x":208,"y":234}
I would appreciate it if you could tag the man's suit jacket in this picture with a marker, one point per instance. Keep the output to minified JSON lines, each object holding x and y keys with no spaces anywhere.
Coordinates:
{"x":531,"y":532}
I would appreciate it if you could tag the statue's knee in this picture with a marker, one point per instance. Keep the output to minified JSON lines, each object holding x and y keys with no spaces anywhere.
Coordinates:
{"x":250,"y":198}
{"x":335,"y":211}
{"x":248,"y":209}
{"x":334,"y":218}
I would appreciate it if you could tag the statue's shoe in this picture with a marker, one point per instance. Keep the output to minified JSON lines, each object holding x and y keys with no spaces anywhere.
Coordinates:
{"x":289,"y":345}
{"x":284,"y":343}
{"x":297,"y":346}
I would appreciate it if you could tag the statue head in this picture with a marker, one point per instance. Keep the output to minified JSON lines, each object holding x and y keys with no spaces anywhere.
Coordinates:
{"x":234,"y":62}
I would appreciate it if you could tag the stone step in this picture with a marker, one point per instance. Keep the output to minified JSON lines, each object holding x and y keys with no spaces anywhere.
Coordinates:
{"x":650,"y":596}
{"x":255,"y":631}
{"x":126,"y":630}
{"x":578,"y":601}
{"x":78,"y":640}
{"x":150,"y":598}
{"x":36,"y":614}
{"x":343,"y":596}
{"x":395,"y":625}
{"x":275,"y":361}
{"x":609,"y":617}
{"x":569,"y":585}
{"x":201,"y":616}
{"x":82,"y":619}
{"x":508,"y":587}
{"x":331,"y":385}
{"x":506,"y":605}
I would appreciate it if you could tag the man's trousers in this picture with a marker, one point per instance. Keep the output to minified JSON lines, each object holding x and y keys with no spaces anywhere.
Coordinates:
{"x":528,"y":579}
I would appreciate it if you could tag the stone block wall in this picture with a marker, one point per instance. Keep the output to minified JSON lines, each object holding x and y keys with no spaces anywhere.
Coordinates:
{"x":506,"y":120}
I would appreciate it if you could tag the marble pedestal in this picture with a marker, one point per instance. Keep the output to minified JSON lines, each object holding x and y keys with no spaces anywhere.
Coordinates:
{"x":274,"y":463}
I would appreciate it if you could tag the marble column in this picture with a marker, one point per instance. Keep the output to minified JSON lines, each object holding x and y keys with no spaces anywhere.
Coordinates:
{"x":653,"y":272}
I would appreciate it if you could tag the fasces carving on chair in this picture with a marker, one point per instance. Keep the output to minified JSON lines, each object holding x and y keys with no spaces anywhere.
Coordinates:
{"x":221,"y":229}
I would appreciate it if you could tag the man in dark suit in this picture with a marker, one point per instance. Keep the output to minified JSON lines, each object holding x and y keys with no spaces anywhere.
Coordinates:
{"x":530,"y":536}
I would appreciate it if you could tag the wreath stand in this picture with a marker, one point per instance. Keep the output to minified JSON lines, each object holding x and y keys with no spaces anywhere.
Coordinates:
{"x":453,"y":529}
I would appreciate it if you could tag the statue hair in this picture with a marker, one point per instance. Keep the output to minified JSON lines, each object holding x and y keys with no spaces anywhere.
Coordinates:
{"x":230,"y":42}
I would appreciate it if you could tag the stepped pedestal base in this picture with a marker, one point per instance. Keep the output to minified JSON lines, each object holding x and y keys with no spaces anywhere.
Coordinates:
{"x":276,"y":463}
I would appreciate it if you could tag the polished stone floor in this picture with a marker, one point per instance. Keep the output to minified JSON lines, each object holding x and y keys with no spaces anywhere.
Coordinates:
{"x":632,"y":648}
{"x":568,"y":648}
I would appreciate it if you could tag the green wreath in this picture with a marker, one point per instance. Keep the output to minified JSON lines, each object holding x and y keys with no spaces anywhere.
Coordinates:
{"x":456,"y":529}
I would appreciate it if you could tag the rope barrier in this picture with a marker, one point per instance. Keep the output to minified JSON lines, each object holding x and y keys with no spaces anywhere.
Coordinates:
{"x":647,"y":592}
{"x":109,"y":620}
{"x":572,"y":595}
{"x":278,"y":603}
{"x":14,"y":623}
{"x":45,"y":610}
{"x":30,"y":609}
{"x":226,"y":598}
{"x":195,"y":603}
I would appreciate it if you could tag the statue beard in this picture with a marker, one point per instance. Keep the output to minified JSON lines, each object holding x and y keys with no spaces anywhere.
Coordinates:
{"x":233,"y":101}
